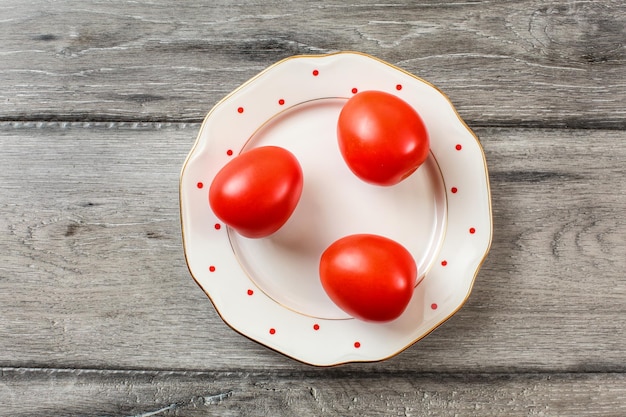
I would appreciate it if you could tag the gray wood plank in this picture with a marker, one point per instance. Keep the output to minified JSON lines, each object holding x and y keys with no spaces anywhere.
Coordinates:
{"x":92,"y":272}
{"x":27,"y":392}
{"x":506,"y":63}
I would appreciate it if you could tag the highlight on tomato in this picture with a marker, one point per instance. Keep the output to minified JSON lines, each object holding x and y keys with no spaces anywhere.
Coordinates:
{"x":370,"y":277}
{"x":257,"y":191}
{"x":382,"y":138}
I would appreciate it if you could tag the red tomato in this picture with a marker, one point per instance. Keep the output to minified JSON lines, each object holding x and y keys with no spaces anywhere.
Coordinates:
{"x":381,"y":137}
{"x":368,"y":276}
{"x":257,"y":191}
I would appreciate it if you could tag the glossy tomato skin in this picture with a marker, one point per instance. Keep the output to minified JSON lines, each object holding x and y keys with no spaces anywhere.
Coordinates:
{"x":257,"y":191}
{"x":370,"y":277}
{"x":381,"y":137}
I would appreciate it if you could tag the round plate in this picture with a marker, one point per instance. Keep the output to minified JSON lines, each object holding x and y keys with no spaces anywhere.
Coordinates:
{"x":268,"y":289}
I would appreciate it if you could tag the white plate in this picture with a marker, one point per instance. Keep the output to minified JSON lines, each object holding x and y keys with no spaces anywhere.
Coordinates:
{"x":268,"y":289}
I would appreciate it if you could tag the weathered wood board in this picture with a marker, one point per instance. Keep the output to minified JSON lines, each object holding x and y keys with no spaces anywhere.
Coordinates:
{"x":93,"y":272}
{"x":508,"y":63}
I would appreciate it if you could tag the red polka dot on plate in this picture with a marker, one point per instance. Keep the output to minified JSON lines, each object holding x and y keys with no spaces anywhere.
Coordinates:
{"x":399,"y":87}
{"x":212,"y":268}
{"x":355,"y":90}
{"x":217,"y":226}
{"x":272,"y":331}
{"x":458,"y":147}
{"x":250,"y":292}
{"x":316,"y":73}
{"x":240,"y":110}
{"x":281,"y":101}
{"x":316,"y":326}
{"x":444,"y":263}
{"x":357,"y":344}
{"x":454,"y":190}
{"x":199,"y":185}
{"x":434,"y":306}
{"x":472,"y":230}
{"x":229,"y":152}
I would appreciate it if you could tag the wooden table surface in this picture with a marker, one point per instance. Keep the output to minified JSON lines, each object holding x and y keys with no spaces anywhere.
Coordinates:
{"x":101,"y":101}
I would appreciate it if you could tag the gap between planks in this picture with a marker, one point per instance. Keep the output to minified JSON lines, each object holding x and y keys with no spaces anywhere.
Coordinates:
{"x":51,"y":121}
{"x":314,"y":372}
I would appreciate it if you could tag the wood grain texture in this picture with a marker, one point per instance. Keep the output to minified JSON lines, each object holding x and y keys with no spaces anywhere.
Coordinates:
{"x":505,"y":63}
{"x":141,"y":394}
{"x":92,"y":273}
{"x":100,"y":102}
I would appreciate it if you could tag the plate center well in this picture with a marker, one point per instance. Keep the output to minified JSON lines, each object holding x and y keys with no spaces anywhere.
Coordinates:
{"x":335,"y":203}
